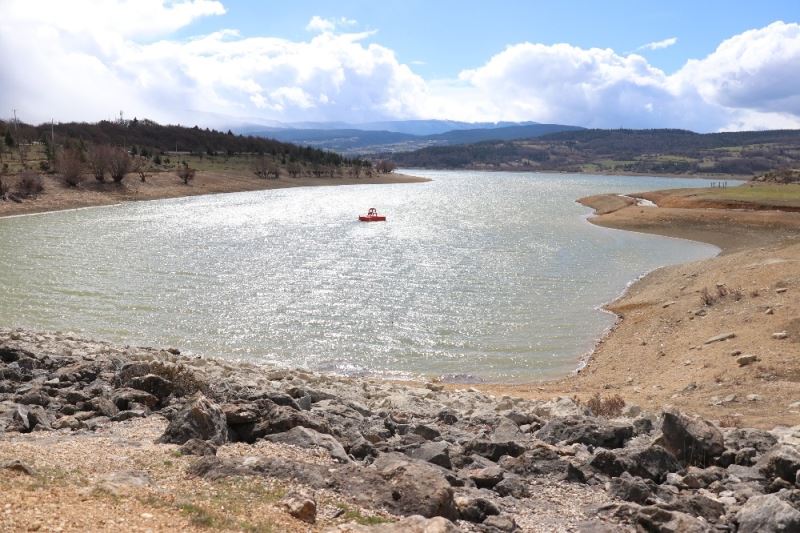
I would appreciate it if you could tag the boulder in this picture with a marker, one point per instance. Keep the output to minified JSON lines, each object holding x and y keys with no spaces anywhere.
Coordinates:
{"x":692,"y":440}
{"x":437,"y":453}
{"x":781,"y":462}
{"x":486,"y":478}
{"x":767,"y":514}
{"x":153,"y":384}
{"x":475,"y":508}
{"x":757,"y":439}
{"x":630,"y":488}
{"x":585,"y":430}
{"x":301,"y":506}
{"x":650,"y":462}
{"x":416,"y":487}
{"x":493,"y":450}
{"x":308,"y":438}
{"x":411,"y":524}
{"x":200,"y":419}
{"x":512,"y":485}
{"x":198,"y":447}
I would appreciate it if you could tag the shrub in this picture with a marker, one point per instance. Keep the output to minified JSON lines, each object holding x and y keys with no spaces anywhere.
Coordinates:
{"x":70,"y":167}
{"x":119,"y":164}
{"x":610,"y":406}
{"x":98,"y":159}
{"x":385,"y":167}
{"x":30,"y":183}
{"x":706,"y":297}
{"x":185,"y":173}
{"x":4,"y":188}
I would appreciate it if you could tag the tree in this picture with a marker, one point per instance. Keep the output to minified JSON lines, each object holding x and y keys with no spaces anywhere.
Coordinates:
{"x":384,"y":166}
{"x":98,"y":160}
{"x":9,"y":140}
{"x":264,"y":168}
{"x":70,"y":167}
{"x":119,"y":164}
{"x":30,"y":183}
{"x":293,"y":169}
{"x":141,"y":167}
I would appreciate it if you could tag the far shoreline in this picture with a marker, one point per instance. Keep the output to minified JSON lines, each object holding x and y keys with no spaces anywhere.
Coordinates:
{"x":58,"y":197}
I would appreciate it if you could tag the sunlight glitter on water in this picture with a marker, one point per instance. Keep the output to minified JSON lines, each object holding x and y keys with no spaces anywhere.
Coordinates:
{"x":493,"y":275}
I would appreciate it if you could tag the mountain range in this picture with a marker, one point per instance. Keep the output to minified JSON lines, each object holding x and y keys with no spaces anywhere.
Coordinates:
{"x":399,"y":136}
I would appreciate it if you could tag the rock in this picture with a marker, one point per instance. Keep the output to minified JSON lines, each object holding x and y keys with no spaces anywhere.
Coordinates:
{"x":512,"y":485}
{"x":486,"y":478}
{"x":691,"y":439}
{"x":754,"y":397}
{"x":783,"y":462}
{"x":562,"y":406}
{"x":416,"y":487}
{"x":121,"y":483}
{"x":125,"y":397}
{"x":426,"y":432}
{"x":475,"y":509}
{"x":279,"y":419}
{"x":780,"y":335}
{"x":720,"y":337}
{"x":300,"y":506}
{"x":585,"y":430}
{"x":762,"y":441}
{"x":16,"y":465}
{"x":198,"y":447}
{"x":362,"y":448}
{"x":411,"y":524}
{"x":539,"y":461}
{"x":200,"y":419}
{"x":447,"y":416}
{"x":437,"y":453}
{"x":493,"y":450}
{"x":767,"y":514}
{"x":501,"y":523}
{"x":236,"y":414}
{"x":651,"y":462}
{"x":153,"y":384}
{"x":629,"y":488}
{"x":744,"y":360}
{"x":308,"y":438}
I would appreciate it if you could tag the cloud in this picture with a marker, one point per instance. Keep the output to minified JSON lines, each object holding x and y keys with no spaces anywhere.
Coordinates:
{"x":750,"y":81}
{"x":318,"y":24}
{"x":658,"y":45}
{"x":76,"y":63}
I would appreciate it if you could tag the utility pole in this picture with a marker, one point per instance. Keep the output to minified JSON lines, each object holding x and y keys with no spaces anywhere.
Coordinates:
{"x":15,"y":122}
{"x":52,"y":135}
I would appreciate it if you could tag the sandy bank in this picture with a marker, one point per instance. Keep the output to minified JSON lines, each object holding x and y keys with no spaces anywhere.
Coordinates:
{"x":57,"y":197}
{"x":659,"y":354}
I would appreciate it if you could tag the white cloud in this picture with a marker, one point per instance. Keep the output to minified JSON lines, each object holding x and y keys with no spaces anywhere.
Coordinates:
{"x":658,"y":45}
{"x":80,"y":63}
{"x":318,"y":24}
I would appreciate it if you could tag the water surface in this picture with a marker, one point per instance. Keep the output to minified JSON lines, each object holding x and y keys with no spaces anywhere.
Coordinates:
{"x":493,"y":275}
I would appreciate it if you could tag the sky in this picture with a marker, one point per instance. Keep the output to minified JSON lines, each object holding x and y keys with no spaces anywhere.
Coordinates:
{"x":702,"y":65}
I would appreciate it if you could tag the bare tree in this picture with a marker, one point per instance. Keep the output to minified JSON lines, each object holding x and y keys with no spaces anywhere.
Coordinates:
{"x":30,"y":183}
{"x":141,"y":167}
{"x":293,"y":169}
{"x":265,"y":167}
{"x":384,"y":166}
{"x":98,"y":159}
{"x":185,"y":173}
{"x":355,"y":171}
{"x":119,"y":164}
{"x":69,"y":165}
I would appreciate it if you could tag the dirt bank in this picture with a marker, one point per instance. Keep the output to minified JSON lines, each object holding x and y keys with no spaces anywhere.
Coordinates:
{"x":659,"y":354}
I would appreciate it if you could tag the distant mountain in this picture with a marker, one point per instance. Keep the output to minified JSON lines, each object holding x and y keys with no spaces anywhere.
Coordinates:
{"x":662,"y":151}
{"x":361,"y":140}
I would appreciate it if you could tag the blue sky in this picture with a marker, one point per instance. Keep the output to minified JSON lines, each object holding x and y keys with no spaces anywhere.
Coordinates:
{"x":449,"y":36}
{"x":702,"y":65}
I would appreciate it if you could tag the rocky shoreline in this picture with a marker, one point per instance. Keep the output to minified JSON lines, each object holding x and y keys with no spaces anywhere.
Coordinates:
{"x":412,"y":458}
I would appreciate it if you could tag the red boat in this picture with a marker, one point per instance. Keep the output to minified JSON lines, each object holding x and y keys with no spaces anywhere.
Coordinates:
{"x":372,"y":216}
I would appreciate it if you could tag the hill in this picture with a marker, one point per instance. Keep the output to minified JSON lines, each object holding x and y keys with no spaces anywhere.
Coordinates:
{"x":359,"y":140}
{"x":149,"y":137}
{"x":662,"y":151}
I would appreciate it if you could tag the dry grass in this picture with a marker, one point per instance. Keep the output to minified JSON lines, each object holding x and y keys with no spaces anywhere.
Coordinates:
{"x":609,"y":406}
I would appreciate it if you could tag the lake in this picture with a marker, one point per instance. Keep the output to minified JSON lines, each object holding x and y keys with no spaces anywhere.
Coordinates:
{"x":476,"y":275}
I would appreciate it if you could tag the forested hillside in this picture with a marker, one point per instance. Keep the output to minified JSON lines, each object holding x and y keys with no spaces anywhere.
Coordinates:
{"x":662,"y":151}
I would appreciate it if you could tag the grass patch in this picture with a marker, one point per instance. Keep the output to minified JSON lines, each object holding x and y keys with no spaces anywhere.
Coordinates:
{"x":354,"y":515}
